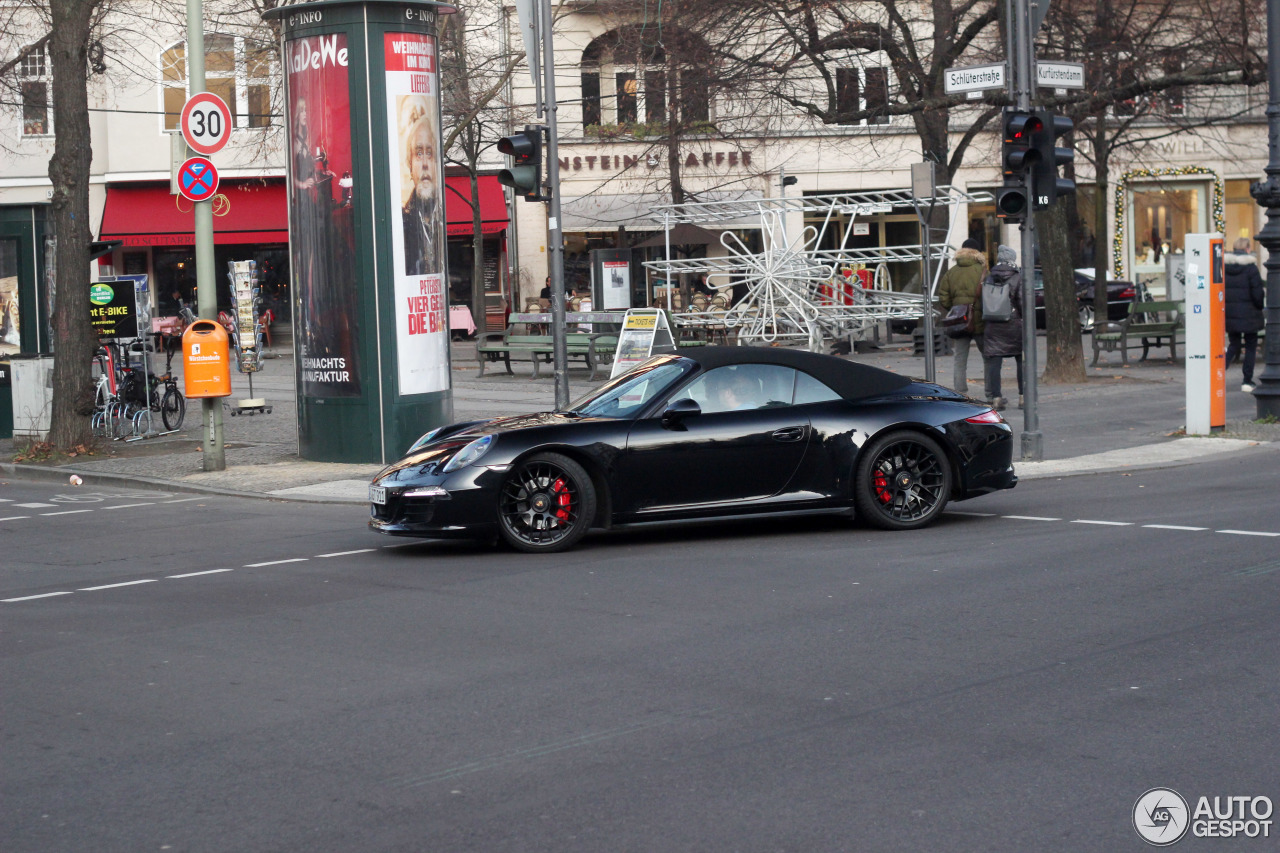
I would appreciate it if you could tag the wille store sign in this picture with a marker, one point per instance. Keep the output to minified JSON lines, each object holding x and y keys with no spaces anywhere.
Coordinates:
{"x":621,"y":162}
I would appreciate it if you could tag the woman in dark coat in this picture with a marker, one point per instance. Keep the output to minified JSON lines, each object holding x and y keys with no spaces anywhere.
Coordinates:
{"x":1245,"y":299}
{"x":1004,"y":340}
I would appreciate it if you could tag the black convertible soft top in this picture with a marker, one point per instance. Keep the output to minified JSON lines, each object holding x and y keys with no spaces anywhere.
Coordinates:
{"x":849,"y":379}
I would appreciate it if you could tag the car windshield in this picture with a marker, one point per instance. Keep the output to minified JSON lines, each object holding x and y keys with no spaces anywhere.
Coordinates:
{"x":625,"y":396}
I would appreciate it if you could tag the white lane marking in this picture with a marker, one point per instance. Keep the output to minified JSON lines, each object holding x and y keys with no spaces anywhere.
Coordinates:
{"x":114,"y":585}
{"x":67,"y":512}
{"x":346,"y":553}
{"x":32,"y":597}
{"x":14,"y":517}
{"x":1030,"y":518}
{"x":1247,"y":532}
{"x":1107,"y":523}
{"x":1172,"y":527}
{"x":196,"y":574}
{"x":34,"y":506}
{"x":127,"y":506}
{"x":182,"y":500}
{"x":6,"y":500}
{"x":275,"y":562}
{"x":971,"y":514}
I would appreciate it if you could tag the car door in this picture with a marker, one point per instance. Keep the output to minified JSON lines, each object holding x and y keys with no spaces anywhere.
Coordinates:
{"x":737,"y":451}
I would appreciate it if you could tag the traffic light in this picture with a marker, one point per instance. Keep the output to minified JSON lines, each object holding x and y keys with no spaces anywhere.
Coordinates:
{"x":1018,"y":157}
{"x":1048,"y":185}
{"x":525,"y":172}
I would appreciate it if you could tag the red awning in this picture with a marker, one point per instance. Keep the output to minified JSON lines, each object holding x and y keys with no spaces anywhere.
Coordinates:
{"x":457,"y":203}
{"x":146,"y":215}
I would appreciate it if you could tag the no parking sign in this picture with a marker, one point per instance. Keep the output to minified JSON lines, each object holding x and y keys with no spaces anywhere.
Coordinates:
{"x":197,"y":179}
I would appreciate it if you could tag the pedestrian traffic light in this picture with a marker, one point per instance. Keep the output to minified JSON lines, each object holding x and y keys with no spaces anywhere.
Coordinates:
{"x":1047,"y":182}
{"x":1018,"y":157}
{"x":525,"y":172}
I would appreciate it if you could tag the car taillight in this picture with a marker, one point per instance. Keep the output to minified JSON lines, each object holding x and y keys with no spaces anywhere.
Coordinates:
{"x":1127,"y":293}
{"x":990,"y":416}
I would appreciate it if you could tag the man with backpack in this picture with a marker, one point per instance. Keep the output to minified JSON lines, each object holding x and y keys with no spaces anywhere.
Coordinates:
{"x":1002,"y":313}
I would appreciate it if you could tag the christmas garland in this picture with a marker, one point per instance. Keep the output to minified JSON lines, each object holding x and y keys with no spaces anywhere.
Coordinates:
{"x":1217,"y":200}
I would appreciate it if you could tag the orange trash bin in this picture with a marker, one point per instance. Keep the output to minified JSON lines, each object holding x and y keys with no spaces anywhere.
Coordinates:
{"x":206,"y":360}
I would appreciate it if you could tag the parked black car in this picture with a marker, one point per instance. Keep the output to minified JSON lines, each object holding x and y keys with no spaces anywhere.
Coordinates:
{"x":718,"y":432}
{"x":1119,"y":295}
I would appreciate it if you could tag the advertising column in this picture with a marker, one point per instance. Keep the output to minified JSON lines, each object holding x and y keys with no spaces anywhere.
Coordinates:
{"x":366,"y":225}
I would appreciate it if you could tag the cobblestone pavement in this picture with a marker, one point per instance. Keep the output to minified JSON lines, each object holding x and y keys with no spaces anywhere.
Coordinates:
{"x":1117,"y":409}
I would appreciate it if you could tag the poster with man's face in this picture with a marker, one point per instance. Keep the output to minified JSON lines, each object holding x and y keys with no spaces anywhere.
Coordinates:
{"x":418,"y":245}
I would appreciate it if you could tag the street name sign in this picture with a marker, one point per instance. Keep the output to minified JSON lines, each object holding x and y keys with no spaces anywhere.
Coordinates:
{"x":1060,"y":75}
{"x":206,"y":123}
{"x":975,"y":78}
{"x":197,"y":179}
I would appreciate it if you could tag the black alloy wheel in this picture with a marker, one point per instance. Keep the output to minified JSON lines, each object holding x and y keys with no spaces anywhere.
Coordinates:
{"x":903,"y":482}
{"x":547,"y":504}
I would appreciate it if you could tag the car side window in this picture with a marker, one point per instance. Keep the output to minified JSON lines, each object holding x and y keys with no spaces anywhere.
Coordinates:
{"x":810,"y":390}
{"x":742,"y":387}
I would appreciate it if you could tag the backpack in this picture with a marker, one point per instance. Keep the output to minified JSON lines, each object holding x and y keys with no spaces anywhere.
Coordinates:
{"x":996,"y":307}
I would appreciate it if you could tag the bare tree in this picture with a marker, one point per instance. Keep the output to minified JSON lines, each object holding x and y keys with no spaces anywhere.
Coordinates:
{"x":1152,"y":68}
{"x":474,"y":75}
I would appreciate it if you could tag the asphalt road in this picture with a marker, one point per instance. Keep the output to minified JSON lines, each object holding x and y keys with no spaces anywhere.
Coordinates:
{"x":217,"y":674}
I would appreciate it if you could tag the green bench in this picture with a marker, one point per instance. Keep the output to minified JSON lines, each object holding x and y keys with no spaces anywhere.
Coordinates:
{"x":1155,"y":324}
{"x":593,"y":348}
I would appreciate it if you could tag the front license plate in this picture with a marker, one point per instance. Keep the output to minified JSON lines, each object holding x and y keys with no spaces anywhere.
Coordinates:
{"x":378,"y":494}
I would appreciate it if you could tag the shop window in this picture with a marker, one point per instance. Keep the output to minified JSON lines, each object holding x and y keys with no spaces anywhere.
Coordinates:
{"x":34,"y":73}
{"x":237,"y":70}
{"x":10,"y":339}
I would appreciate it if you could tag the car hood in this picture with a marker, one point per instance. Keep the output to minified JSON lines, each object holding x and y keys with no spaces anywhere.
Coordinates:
{"x":425,"y":459}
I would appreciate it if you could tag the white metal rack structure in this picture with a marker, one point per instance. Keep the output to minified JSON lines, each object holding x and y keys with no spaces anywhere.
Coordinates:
{"x":794,"y":289}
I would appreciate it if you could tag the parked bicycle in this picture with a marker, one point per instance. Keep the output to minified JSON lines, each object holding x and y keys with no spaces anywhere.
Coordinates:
{"x":127,"y":392}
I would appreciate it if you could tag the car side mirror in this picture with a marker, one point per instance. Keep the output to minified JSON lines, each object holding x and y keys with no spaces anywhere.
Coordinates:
{"x":678,"y":410}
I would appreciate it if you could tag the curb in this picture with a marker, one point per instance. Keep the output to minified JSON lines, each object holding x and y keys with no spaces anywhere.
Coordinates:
{"x":98,"y":478}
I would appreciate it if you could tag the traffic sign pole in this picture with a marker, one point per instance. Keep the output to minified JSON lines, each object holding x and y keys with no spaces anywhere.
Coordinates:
{"x":206,"y":297}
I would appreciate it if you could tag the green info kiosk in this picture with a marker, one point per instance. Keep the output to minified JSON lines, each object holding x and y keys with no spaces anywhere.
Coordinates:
{"x":366,"y":226}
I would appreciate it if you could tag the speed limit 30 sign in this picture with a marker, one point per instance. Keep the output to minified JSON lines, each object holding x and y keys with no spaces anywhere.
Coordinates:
{"x":206,"y":123}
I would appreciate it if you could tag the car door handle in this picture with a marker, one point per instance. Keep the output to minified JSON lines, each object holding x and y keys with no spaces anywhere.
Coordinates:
{"x":794,"y":433}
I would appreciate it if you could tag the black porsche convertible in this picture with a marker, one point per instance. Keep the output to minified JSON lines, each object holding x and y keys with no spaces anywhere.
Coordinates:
{"x":716,"y":432}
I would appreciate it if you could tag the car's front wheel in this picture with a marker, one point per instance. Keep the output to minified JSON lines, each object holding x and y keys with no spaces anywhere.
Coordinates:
{"x":547,"y":504}
{"x":903,"y":481}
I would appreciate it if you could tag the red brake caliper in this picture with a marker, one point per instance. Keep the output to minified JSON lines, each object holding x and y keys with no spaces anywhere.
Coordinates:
{"x":881,"y":484}
{"x":564,"y":501}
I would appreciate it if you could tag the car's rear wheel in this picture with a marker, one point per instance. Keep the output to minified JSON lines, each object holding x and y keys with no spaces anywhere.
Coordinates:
{"x":547,"y":504}
{"x":903,"y":482}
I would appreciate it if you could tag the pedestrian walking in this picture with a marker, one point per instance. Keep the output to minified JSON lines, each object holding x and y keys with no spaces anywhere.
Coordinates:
{"x":1002,"y":338}
{"x":962,"y":285}
{"x":1245,"y":300}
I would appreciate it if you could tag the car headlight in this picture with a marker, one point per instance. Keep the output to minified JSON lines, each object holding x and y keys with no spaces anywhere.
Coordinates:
{"x":469,"y":453}
{"x":424,"y":440}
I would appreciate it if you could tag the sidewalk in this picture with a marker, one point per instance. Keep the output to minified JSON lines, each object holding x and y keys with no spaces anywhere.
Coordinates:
{"x":1121,"y":417}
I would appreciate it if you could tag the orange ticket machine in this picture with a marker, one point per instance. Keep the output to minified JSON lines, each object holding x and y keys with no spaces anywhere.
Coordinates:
{"x":206,"y":360}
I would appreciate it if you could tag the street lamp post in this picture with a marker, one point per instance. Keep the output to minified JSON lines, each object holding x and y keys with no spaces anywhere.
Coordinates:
{"x":1267,"y":193}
